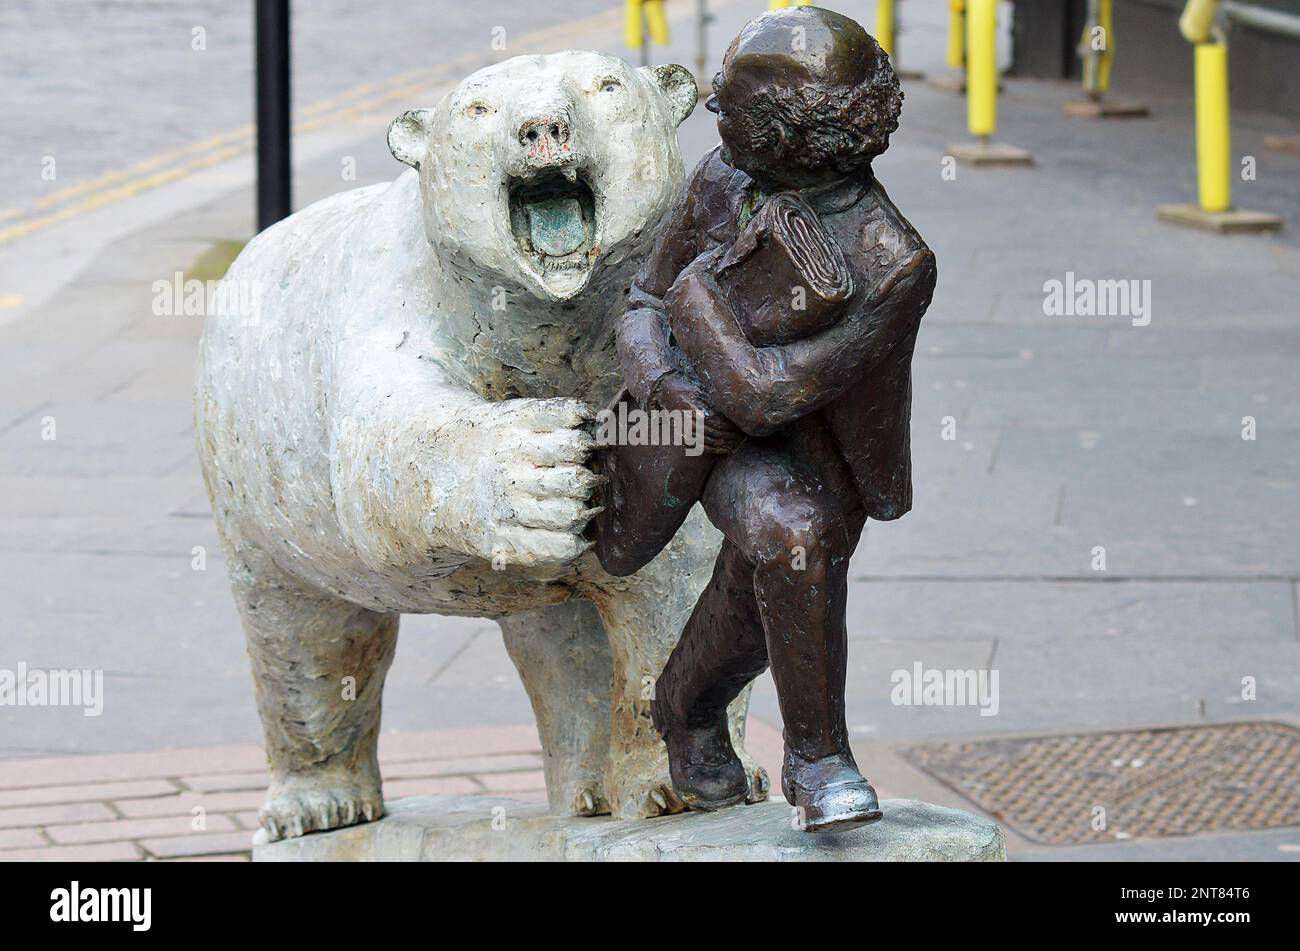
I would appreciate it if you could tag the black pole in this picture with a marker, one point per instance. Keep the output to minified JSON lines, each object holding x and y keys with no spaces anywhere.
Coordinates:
{"x":273,"y":129}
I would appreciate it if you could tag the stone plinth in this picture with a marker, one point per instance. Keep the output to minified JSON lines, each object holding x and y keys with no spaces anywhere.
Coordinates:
{"x":473,"y":828}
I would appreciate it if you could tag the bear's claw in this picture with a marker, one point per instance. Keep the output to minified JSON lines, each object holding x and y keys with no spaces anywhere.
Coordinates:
{"x":660,"y":799}
{"x":297,"y":806}
{"x":589,"y":802}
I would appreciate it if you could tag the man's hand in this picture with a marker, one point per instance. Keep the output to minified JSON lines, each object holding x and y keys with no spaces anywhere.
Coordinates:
{"x":675,"y":392}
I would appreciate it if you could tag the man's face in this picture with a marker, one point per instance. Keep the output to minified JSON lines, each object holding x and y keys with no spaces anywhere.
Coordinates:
{"x":746,"y":143}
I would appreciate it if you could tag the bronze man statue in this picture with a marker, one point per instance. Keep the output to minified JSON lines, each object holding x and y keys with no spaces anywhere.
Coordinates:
{"x":781,"y":302}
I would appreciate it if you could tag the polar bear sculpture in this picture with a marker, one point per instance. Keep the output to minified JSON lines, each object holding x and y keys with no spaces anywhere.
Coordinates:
{"x":398,"y":429}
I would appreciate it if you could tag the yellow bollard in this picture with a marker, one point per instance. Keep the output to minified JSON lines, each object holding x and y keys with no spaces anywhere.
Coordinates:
{"x":656,"y":22}
{"x":982,"y":90}
{"x":778,"y":4}
{"x":1213,"y":129}
{"x":1097,"y":53}
{"x":1097,"y":61}
{"x":632,"y":30}
{"x":956,"y":33}
{"x":1213,"y":211}
{"x":1198,"y":19}
{"x":982,"y":67}
{"x":885,"y":26}
{"x":1107,"y":24}
{"x":956,"y":53}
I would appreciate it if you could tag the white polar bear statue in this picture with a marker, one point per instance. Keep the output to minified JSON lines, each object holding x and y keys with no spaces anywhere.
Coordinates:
{"x":398,"y":428}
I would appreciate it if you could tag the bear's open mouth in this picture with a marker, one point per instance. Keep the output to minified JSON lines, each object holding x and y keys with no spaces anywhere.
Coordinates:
{"x":553,"y":219}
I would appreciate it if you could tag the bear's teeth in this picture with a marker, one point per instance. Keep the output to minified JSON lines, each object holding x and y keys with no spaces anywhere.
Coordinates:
{"x":571,"y":263}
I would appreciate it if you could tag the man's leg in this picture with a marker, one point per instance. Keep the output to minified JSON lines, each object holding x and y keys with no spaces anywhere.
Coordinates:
{"x":795,"y":533}
{"x":721,"y":650}
{"x":651,"y":490}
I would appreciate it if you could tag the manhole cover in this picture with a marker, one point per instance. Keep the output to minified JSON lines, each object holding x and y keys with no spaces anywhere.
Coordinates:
{"x":1100,"y":787}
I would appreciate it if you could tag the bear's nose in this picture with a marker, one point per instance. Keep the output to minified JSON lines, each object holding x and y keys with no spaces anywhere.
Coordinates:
{"x":542,"y":134}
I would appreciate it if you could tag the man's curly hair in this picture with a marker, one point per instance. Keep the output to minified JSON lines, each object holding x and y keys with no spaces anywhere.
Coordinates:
{"x":843,"y":127}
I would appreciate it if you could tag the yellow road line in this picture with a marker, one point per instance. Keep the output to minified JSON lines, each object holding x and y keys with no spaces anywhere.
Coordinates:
{"x":145,"y":165}
{"x":133,"y":187}
{"x":134,"y":181}
{"x":123,"y":183}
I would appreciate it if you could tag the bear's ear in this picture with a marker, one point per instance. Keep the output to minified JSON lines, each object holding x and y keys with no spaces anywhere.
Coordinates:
{"x":408,"y":136}
{"x":678,"y":85}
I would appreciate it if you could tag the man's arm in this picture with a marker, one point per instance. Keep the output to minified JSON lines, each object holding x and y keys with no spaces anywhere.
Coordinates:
{"x":644,"y":346}
{"x":762,"y":389}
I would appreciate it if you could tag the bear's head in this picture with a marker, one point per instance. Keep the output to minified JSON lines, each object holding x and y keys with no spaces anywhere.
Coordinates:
{"x":540,"y":168}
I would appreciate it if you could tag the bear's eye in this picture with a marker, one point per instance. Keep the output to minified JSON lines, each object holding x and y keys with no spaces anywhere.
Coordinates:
{"x":609,"y":84}
{"x":478,"y":109}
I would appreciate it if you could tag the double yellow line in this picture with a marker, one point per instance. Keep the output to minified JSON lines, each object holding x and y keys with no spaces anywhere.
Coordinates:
{"x":173,"y":165}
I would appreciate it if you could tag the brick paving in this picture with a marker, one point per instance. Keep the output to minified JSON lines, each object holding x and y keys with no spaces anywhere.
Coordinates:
{"x":200,"y":804}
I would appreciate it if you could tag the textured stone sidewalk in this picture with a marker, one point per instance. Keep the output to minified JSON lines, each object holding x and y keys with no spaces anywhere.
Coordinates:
{"x":201,"y":804}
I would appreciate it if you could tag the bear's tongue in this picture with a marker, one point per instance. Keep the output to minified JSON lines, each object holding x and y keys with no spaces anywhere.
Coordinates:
{"x":555,"y":226}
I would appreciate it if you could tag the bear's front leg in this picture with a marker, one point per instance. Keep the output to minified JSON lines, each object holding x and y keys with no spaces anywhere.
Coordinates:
{"x":428,"y":476}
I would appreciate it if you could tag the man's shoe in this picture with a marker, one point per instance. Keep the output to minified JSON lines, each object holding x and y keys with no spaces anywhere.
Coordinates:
{"x":705,"y":770}
{"x":829,"y":792}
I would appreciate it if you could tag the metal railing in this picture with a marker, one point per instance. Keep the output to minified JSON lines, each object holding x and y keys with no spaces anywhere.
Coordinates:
{"x":1265,"y":19}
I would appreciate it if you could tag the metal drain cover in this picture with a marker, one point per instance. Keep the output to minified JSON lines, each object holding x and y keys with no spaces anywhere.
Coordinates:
{"x":1100,"y":787}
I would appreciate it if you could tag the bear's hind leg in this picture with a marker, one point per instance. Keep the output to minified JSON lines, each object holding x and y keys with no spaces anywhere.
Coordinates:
{"x":318,"y":669}
{"x":563,"y":658}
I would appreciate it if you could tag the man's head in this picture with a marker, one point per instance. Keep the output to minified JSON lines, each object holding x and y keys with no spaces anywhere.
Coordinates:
{"x":804,"y":96}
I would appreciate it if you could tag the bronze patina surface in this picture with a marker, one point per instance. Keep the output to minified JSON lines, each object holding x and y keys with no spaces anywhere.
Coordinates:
{"x":781,"y":302}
